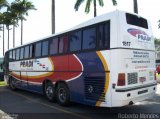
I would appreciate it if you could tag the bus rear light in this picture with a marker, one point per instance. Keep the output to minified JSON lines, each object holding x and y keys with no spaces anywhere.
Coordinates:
{"x":121,"y":79}
{"x":113,"y":85}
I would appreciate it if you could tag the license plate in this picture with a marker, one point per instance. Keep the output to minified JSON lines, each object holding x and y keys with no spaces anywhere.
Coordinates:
{"x":142,"y":79}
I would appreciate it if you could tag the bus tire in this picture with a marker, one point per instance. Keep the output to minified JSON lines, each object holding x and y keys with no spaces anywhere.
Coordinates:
{"x":63,"y":94}
{"x":12,"y":84}
{"x":50,"y":92}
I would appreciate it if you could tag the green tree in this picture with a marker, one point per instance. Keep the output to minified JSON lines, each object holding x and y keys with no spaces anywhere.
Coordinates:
{"x":20,"y":9}
{"x":3,"y":3}
{"x":88,"y":4}
{"x":157,"y":44}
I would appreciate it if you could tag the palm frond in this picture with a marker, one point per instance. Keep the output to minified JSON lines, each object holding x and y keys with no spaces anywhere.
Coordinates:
{"x":77,"y":4}
{"x":88,"y":4}
{"x":3,"y":3}
{"x":101,"y":3}
{"x":114,"y":2}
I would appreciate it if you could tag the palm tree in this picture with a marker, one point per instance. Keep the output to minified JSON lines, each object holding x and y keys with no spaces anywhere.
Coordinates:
{"x":3,"y":3}
{"x":21,"y":8}
{"x":157,"y":44}
{"x":88,"y":4}
{"x":53,"y":16}
{"x":2,"y":28}
{"x":9,"y":19}
{"x":135,"y":6}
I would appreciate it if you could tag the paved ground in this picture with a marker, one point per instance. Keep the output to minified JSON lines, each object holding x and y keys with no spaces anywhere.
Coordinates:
{"x":25,"y":105}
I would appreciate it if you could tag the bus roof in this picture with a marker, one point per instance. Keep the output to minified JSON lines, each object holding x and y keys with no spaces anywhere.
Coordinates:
{"x":92,"y":21}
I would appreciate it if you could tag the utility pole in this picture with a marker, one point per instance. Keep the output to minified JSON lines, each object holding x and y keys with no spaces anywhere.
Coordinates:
{"x":135,"y":6}
{"x":3,"y":41}
{"x":53,"y":16}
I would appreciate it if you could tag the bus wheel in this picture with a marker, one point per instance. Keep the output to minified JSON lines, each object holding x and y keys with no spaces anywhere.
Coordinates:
{"x":50,"y":92}
{"x":62,"y":94}
{"x":12,"y":83}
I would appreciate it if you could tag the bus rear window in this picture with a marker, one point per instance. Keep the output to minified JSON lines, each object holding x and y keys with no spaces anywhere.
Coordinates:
{"x":136,"y":21}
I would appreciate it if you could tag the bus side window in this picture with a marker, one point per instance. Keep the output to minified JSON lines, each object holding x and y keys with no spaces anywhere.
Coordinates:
{"x":104,"y":35}
{"x":17,"y":54}
{"x":63,"y":44}
{"x":1,"y":66}
{"x":31,"y":51}
{"x":26,"y":52}
{"x":14,"y":55}
{"x":53,"y":46}
{"x":10,"y":56}
{"x":22,"y":53}
{"x":44,"y":48}
{"x":38,"y":49}
{"x":75,"y":41}
{"x":89,"y":38}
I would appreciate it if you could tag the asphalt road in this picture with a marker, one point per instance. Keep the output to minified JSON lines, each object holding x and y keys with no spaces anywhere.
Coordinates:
{"x":25,"y":105}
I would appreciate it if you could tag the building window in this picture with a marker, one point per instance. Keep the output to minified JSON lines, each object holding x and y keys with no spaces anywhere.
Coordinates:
{"x":75,"y":41}
{"x":53,"y":46}
{"x":89,"y":39}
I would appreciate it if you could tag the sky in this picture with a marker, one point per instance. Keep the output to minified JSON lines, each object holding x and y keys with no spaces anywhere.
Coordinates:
{"x":38,"y":24}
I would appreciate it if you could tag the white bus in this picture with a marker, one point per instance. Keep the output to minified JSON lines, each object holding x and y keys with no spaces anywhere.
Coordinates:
{"x":108,"y":61}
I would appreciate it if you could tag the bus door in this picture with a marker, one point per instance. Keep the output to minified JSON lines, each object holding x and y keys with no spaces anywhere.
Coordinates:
{"x":23,"y":75}
{"x":6,"y":65}
{"x":26,"y":65}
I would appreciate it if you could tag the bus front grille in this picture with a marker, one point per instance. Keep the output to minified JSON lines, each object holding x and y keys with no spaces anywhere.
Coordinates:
{"x":132,"y":78}
{"x":94,"y":88}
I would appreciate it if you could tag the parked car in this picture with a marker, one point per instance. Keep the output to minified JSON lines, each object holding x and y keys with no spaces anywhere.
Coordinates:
{"x":158,"y":71}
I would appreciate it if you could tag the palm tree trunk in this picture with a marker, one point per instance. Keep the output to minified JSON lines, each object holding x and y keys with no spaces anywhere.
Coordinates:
{"x":3,"y":41}
{"x":95,"y":11}
{"x":21,"y":31}
{"x":53,"y":16}
{"x":8,"y":37}
{"x":13,"y":36}
{"x":135,"y":6}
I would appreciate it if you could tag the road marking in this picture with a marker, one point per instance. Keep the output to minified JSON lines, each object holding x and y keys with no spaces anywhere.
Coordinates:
{"x":53,"y":107}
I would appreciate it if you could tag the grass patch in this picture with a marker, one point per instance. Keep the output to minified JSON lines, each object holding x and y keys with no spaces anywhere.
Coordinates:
{"x":158,"y":75}
{"x":3,"y":83}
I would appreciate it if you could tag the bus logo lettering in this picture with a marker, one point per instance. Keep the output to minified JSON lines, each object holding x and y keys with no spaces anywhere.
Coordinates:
{"x":28,"y":63}
{"x":141,"y":35}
